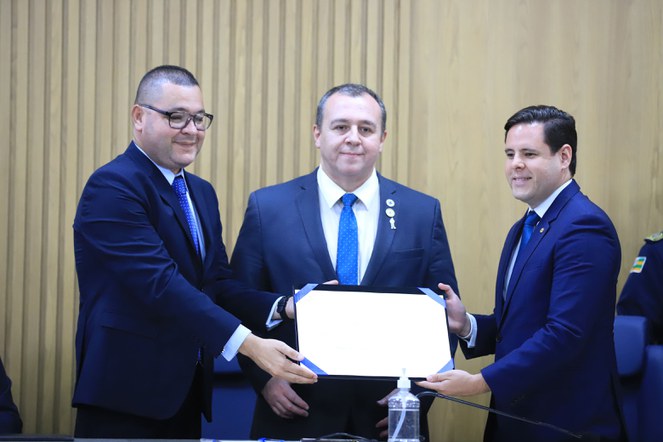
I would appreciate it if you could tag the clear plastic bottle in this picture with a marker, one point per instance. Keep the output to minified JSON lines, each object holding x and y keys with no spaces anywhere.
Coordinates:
{"x":403,"y":414}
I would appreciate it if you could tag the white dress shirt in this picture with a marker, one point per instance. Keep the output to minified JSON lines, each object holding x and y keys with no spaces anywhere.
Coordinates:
{"x":366,"y":210}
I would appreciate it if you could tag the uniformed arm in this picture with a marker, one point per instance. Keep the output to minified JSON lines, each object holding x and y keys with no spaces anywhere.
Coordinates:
{"x":10,"y":420}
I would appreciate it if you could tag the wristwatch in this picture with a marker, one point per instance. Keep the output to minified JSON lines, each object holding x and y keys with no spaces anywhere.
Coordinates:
{"x":280,"y":307}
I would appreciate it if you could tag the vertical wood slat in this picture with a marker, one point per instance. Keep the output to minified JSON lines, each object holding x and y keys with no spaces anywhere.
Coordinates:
{"x":269,"y":134}
{"x":6,"y":300}
{"x":17,"y":206}
{"x":49,"y":296}
{"x":305,"y":89}
{"x":450,"y":73}
{"x":6,"y":124}
{"x":62,"y":416}
{"x":33,"y":364}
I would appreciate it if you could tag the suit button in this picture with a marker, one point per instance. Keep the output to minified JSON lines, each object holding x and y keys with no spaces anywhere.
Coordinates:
{"x":498,"y":338}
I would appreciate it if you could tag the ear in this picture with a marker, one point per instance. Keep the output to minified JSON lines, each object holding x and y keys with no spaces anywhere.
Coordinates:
{"x":382,"y":138}
{"x":565,"y":155}
{"x":316,"y":135}
{"x":137,"y":116}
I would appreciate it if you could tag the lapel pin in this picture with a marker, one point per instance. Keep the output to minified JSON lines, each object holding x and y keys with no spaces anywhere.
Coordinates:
{"x":391,"y":213}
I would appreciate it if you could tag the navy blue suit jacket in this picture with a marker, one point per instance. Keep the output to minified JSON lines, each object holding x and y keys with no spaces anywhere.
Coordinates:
{"x":552,"y":335}
{"x":147,"y":301}
{"x":10,"y":419}
{"x":282,"y":246}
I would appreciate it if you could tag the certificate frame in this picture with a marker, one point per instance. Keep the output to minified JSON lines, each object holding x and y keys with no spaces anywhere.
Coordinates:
{"x":370,"y":332}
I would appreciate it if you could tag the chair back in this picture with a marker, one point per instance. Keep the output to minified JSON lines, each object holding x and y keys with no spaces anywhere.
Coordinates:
{"x":640,"y":367}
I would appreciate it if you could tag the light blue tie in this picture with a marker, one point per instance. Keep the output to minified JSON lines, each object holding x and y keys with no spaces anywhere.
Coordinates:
{"x":346,"y":255}
{"x":530,"y":221}
{"x":180,"y":189}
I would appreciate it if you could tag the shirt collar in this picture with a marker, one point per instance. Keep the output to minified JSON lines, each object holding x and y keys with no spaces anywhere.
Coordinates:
{"x":542,"y":208}
{"x":167,"y":173}
{"x":332,"y":192}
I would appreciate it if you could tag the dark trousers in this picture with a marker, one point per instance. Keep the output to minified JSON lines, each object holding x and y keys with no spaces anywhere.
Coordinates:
{"x":99,"y":423}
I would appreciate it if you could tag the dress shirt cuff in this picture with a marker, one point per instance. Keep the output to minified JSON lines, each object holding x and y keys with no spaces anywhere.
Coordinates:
{"x":235,"y":342}
{"x":271,"y":323}
{"x":471,"y":337}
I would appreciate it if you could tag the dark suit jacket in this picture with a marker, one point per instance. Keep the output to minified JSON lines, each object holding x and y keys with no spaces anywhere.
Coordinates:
{"x":10,"y":420}
{"x":642,"y":294}
{"x":148,"y":303}
{"x":282,"y":246}
{"x":553,"y":335}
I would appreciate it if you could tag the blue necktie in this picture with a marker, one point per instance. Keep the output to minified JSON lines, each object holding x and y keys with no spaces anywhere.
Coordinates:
{"x":346,"y":255}
{"x":530,"y":221}
{"x":180,"y":189}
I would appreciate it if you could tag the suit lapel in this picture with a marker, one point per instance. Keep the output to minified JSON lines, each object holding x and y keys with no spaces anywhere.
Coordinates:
{"x":505,"y":259}
{"x":521,"y":261}
{"x":308,"y":203}
{"x":385,"y":234}
{"x":166,"y":192}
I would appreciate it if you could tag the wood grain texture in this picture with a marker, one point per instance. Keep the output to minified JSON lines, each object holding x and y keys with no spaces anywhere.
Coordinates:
{"x":450,"y":72}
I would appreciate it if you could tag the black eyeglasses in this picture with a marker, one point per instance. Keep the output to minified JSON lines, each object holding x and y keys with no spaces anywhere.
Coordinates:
{"x":180,"y":119}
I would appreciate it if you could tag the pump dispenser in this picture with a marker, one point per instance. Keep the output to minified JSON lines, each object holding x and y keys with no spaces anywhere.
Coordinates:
{"x":403,"y":413}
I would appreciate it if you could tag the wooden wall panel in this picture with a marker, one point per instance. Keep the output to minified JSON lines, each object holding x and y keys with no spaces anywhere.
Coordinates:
{"x":450,"y":73}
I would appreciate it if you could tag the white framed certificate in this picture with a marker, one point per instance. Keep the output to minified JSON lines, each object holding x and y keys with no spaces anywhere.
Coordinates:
{"x":372,"y":332}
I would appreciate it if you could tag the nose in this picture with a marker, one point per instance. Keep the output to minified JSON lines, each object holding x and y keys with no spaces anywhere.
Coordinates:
{"x":353,"y":135}
{"x":190,"y":127}
{"x":517,"y":162}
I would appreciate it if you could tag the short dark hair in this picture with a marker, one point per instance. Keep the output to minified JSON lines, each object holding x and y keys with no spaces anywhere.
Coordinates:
{"x":352,"y":90}
{"x":559,"y":128}
{"x":150,"y":84}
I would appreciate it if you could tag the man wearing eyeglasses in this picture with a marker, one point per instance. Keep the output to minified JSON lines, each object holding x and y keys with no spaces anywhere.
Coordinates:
{"x":157,"y":302}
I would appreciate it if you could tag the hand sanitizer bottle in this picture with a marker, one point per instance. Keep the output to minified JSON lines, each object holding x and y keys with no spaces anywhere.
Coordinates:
{"x":403,"y":413}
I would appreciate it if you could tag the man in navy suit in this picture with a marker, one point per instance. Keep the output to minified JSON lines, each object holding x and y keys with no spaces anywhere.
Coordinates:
{"x":289,"y":238}
{"x":551,"y":329}
{"x":157,"y":299}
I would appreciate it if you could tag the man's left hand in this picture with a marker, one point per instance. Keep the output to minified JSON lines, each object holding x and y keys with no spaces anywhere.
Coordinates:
{"x":456,"y":383}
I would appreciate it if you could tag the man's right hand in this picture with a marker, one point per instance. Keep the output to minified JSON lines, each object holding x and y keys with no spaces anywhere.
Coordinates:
{"x":276,"y":358}
{"x":285,"y":402}
{"x":458,"y":322}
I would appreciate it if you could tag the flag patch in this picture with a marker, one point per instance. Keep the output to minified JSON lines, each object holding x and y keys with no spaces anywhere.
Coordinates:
{"x":638,"y":264}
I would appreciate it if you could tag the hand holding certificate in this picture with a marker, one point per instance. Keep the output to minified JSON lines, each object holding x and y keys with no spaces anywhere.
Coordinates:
{"x":360,"y":332}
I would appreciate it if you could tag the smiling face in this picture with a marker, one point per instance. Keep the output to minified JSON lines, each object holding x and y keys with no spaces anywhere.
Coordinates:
{"x":531,"y":169}
{"x":171,"y":148}
{"x":350,"y":139}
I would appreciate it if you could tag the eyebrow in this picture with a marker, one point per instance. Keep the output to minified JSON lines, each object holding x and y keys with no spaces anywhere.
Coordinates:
{"x":181,"y":109}
{"x":360,"y":123}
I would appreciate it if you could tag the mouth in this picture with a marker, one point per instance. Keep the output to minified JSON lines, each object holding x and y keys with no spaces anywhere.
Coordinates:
{"x":520,"y":179}
{"x":186,"y":143}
